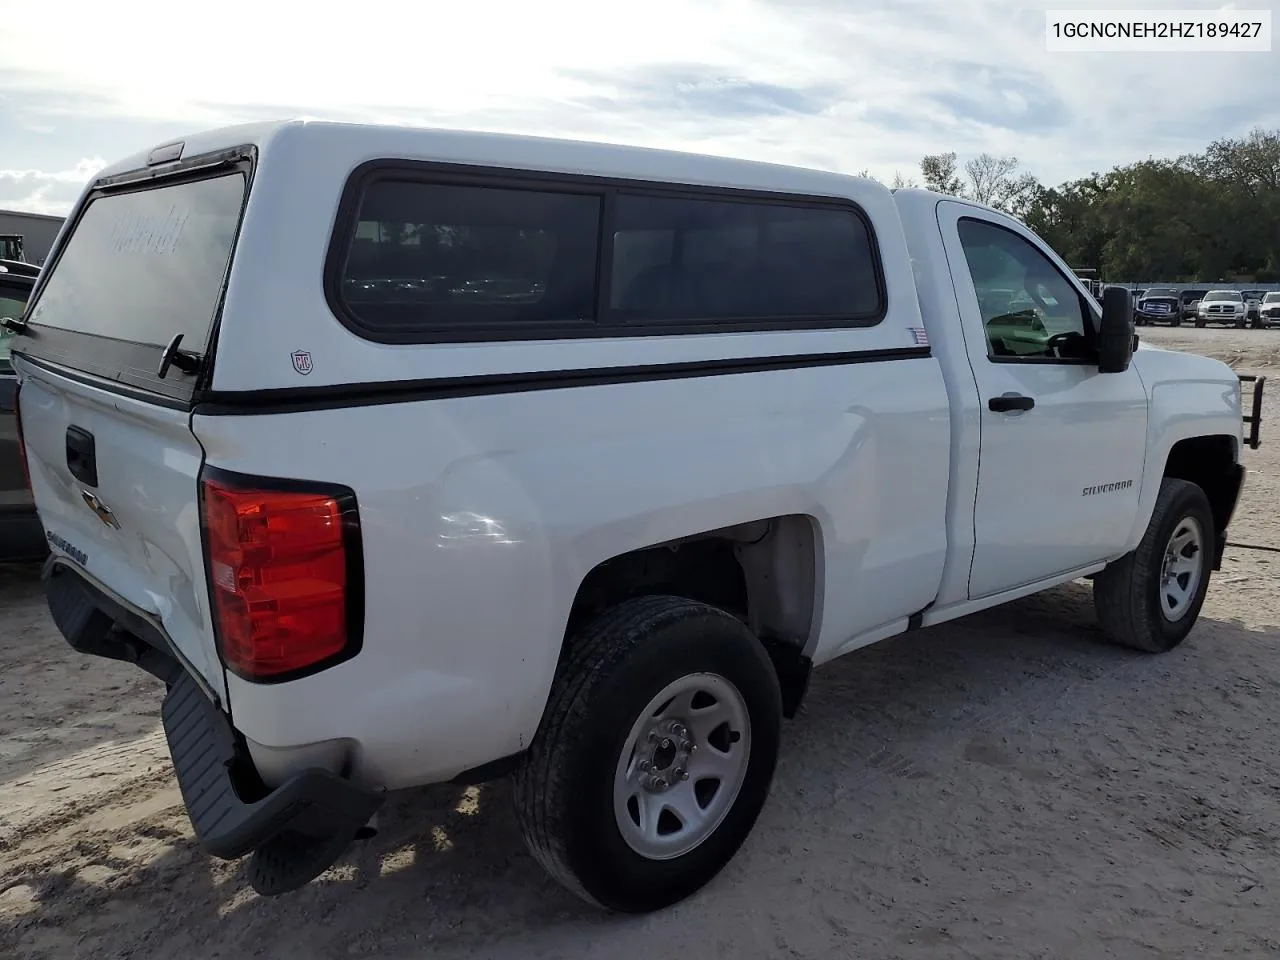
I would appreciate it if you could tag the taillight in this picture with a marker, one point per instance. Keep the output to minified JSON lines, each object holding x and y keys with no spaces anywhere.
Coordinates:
{"x":285,"y":574}
{"x":22,"y":443}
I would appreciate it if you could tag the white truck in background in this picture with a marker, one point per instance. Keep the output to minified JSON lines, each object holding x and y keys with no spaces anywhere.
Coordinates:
{"x":407,"y":456}
{"x":1222,"y":306}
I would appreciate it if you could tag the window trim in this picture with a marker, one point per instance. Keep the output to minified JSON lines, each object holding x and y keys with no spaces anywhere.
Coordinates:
{"x":1091,"y":321}
{"x":604,"y":324}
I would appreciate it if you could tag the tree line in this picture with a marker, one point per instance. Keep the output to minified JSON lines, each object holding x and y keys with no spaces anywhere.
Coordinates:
{"x":1204,"y":217}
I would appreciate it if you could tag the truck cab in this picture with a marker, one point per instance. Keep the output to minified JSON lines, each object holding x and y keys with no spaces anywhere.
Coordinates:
{"x":11,"y":247}
{"x":20,"y":535}
{"x":411,"y":456}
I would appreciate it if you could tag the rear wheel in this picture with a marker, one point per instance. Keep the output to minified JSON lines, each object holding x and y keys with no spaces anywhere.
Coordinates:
{"x":655,"y":755}
{"x":1149,"y":599}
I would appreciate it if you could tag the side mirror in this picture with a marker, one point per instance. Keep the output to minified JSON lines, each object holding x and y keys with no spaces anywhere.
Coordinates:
{"x":1115,"y":333}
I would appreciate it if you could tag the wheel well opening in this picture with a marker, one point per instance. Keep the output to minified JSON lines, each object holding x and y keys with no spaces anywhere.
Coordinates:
{"x":764,"y":573}
{"x":1210,"y":463}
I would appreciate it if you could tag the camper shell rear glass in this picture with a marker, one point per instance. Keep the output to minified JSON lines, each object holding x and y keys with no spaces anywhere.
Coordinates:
{"x":143,"y":262}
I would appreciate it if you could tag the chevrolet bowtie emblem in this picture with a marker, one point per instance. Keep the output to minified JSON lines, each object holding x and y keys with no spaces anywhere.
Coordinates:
{"x":101,"y":509}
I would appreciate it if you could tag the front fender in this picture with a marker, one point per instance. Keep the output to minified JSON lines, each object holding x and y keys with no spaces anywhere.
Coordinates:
{"x":1182,"y":407}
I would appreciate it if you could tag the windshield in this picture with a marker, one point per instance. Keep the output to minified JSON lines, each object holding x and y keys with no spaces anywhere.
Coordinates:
{"x":1271,"y":298}
{"x":145,"y":265}
{"x":1160,"y":292}
{"x":1220,"y":295}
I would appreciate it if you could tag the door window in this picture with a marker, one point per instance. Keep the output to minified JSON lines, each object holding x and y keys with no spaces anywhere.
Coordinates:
{"x":1030,"y":311}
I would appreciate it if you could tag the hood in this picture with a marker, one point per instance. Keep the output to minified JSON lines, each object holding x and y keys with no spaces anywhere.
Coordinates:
{"x":1162,"y":364}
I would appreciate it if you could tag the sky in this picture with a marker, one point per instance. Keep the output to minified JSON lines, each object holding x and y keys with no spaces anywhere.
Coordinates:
{"x":845,"y":85}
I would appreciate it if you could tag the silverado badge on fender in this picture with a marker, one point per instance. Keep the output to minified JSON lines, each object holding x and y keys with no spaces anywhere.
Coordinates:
{"x":1107,"y":488}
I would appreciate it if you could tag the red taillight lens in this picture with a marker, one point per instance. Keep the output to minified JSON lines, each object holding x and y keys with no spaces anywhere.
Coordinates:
{"x":22,"y":443}
{"x":281,"y":568}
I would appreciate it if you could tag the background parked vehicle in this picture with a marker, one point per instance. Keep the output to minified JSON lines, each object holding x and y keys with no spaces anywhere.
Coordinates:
{"x":1092,"y":282}
{"x":1158,"y":305}
{"x":11,"y":249}
{"x":1222,"y":306}
{"x":1269,"y":309}
{"x":1253,"y":307}
{"x":21,"y":537}
{"x":1190,"y":301}
{"x":1136,"y":295}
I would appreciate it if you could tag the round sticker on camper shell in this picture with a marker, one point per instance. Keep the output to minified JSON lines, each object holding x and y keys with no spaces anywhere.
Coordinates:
{"x":302,"y":362}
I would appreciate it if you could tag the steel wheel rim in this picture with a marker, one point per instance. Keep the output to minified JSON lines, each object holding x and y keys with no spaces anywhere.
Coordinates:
{"x":1182,"y":569}
{"x":682,"y":766}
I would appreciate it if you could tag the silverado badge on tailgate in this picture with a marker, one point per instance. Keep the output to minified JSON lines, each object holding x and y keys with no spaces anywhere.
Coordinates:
{"x":70,"y":549}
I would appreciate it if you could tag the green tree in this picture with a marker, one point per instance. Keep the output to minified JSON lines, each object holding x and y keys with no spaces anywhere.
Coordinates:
{"x":939,"y":173}
{"x":1200,"y":217}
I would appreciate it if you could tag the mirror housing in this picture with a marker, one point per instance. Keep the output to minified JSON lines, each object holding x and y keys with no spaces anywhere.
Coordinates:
{"x":1115,"y":332}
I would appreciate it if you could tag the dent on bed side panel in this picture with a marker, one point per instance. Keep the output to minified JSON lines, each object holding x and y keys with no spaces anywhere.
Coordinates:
{"x":481,"y":516}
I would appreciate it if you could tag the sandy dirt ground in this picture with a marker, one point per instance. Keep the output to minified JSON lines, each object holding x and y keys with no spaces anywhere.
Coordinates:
{"x":1005,"y":786}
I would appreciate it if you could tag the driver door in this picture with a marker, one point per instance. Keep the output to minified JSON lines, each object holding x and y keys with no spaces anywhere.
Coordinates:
{"x":1062,"y":445}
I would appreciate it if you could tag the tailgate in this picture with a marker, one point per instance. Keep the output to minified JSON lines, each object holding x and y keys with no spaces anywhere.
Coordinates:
{"x":116,"y":483}
{"x":111,"y":357}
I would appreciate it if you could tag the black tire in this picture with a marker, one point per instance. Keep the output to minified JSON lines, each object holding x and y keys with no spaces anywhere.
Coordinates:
{"x":1175,"y":323}
{"x":1128,"y":596}
{"x":564,"y":788}
{"x":1199,"y":324}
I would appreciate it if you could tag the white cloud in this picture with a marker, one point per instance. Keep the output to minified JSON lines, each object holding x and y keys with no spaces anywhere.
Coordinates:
{"x":832,"y":83}
{"x":42,"y":191}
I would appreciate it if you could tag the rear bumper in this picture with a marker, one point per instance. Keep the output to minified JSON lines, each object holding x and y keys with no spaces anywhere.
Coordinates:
{"x":231,"y":812}
{"x":302,"y":826}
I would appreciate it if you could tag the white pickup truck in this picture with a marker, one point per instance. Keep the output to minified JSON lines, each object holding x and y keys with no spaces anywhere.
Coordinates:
{"x":409,"y":456}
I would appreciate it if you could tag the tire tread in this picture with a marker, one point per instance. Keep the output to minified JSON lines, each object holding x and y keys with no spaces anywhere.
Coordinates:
{"x":540,"y":782}
{"x":1120,"y":591}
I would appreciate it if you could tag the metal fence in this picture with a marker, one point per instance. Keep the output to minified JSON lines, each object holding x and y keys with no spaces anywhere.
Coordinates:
{"x":1148,"y":284}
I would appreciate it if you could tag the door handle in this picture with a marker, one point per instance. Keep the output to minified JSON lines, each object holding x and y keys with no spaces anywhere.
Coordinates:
{"x":1010,"y":402}
{"x":82,"y":456}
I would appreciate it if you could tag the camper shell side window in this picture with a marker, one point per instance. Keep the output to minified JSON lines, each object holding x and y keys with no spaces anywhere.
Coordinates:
{"x":424,"y":253}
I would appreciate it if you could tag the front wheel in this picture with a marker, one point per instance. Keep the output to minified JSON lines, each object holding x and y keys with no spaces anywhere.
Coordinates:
{"x":655,"y":754}
{"x":1150,"y":598}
